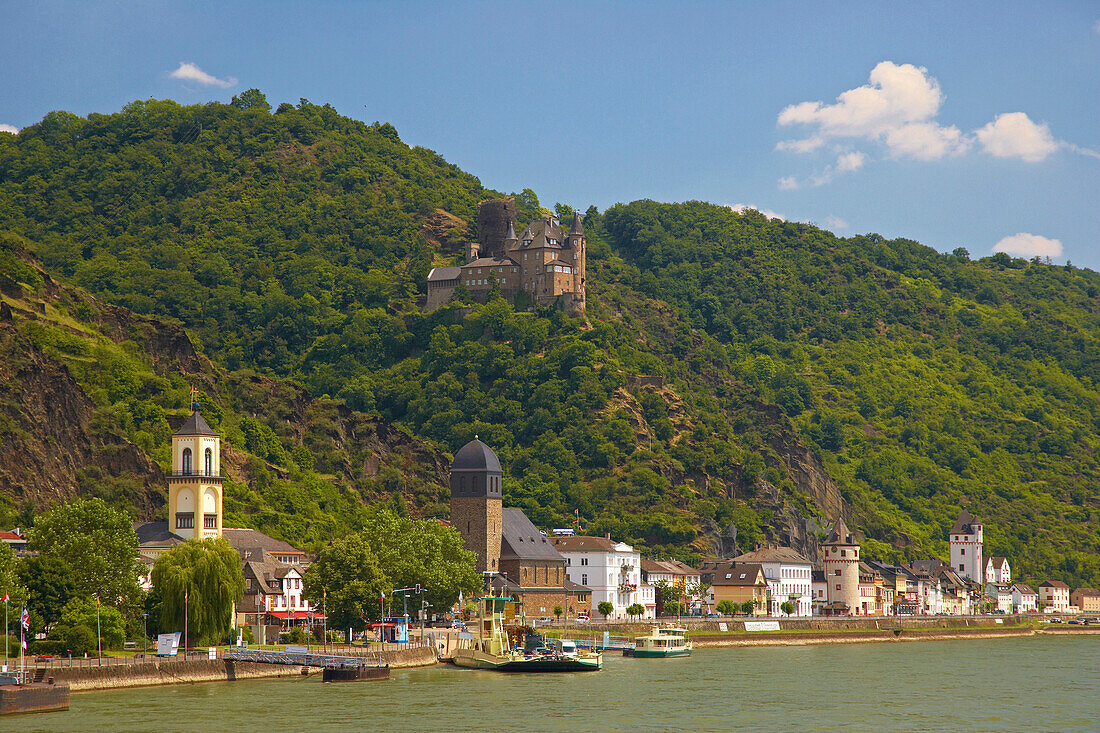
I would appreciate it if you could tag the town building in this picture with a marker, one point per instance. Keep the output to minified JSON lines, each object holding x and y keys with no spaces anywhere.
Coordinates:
{"x":680,"y":576}
{"x":965,"y":538}
{"x":876,"y":597}
{"x":1024,"y":599}
{"x":14,"y":539}
{"x":1054,"y":596}
{"x":273,"y":569}
{"x":611,"y":570}
{"x":737,"y":583}
{"x":997,"y":571}
{"x":789,"y":577}
{"x":1087,"y":600}
{"x":819,"y":589}
{"x":516,"y":557}
{"x":841,"y":559}
{"x":545,"y":265}
{"x":905,"y":586}
{"x":929,"y":588}
{"x":999,"y":597}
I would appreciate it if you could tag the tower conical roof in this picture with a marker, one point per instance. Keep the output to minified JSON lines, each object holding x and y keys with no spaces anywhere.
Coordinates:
{"x":962,"y":524}
{"x":577,"y":228}
{"x":840,"y":534}
{"x":195,"y":425}
{"x":511,"y":234}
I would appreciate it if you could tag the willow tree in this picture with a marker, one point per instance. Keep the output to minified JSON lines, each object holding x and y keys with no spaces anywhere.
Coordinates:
{"x":204,"y":577}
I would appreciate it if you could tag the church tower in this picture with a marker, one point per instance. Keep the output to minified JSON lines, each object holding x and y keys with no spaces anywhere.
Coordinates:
{"x":195,"y":484}
{"x":842,"y":567}
{"x":476,"y":502}
{"x":965,"y":538}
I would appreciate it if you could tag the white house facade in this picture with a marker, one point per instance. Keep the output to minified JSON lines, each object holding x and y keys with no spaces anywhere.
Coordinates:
{"x":789,"y":576}
{"x":1024,"y":599}
{"x":1054,"y":596}
{"x":997,"y":571}
{"x":611,"y":570}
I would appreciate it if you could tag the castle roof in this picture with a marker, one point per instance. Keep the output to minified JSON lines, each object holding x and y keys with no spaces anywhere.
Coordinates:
{"x":963,"y":525}
{"x":511,"y":233}
{"x":539,"y":233}
{"x":520,"y":538}
{"x":444,"y":273}
{"x":491,"y":262}
{"x":476,"y":456}
{"x":577,"y":228}
{"x":195,"y":425}
{"x":840,"y":535}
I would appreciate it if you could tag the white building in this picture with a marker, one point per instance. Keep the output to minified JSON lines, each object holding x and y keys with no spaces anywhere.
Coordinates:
{"x":1000,"y":596}
{"x":611,"y":570}
{"x":677,"y":574}
{"x":1024,"y":599}
{"x":1054,"y":596}
{"x":997,"y":571}
{"x":789,"y":576}
{"x":965,"y":538}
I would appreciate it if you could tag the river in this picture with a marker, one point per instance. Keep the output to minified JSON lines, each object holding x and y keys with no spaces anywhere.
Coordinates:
{"x":1025,"y":684}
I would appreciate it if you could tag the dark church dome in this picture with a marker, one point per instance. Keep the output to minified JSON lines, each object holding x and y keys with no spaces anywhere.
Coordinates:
{"x":476,"y":456}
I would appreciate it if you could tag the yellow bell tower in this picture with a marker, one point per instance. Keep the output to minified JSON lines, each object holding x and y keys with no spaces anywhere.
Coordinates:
{"x":195,"y":484}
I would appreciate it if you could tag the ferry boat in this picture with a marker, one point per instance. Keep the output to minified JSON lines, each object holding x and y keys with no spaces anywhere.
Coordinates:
{"x":666,"y":641}
{"x":493,"y":650}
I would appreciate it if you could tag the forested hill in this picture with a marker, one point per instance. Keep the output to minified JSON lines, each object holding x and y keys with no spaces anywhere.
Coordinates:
{"x":737,"y":377}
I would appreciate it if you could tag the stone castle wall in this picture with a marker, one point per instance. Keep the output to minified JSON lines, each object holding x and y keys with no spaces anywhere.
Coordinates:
{"x":492,"y":225}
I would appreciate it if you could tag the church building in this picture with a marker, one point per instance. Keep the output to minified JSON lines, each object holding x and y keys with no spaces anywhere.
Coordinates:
{"x":515,"y":556}
{"x":545,"y":264}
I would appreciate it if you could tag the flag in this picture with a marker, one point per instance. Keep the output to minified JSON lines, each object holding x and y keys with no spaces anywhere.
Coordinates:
{"x":5,"y":598}
{"x":185,"y":594}
{"x":26,"y":619}
{"x":193,"y":393}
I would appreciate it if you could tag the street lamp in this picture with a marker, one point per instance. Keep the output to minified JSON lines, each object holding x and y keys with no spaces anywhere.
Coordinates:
{"x":145,"y":635}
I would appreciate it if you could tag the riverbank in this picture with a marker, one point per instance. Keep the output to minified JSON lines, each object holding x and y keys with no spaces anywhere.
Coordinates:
{"x":808,"y":638}
{"x":177,"y":672}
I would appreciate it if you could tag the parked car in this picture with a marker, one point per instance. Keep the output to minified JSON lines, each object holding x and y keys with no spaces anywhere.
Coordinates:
{"x":1055,"y":620}
{"x":1076,"y":622}
{"x":543,"y":621}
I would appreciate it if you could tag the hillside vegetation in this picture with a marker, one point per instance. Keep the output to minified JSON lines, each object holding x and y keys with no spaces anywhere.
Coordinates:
{"x":736,"y":377}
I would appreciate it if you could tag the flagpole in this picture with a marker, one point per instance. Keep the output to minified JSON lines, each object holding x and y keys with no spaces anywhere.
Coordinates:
{"x":185,"y":594}
{"x":22,"y":646}
{"x":98,"y":630}
{"x":5,"y":632}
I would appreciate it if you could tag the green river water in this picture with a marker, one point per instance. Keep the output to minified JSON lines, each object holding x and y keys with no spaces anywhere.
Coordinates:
{"x":1025,"y":684}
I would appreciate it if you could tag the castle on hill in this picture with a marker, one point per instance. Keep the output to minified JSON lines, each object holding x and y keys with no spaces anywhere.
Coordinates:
{"x":544,"y":265}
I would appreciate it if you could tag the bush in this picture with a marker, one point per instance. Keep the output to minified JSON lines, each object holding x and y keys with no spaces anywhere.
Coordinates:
{"x":297,"y":635}
{"x":726,"y":608}
{"x":81,"y":640}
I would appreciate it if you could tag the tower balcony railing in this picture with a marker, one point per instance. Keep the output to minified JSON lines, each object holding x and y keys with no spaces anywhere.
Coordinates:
{"x":194,"y":474}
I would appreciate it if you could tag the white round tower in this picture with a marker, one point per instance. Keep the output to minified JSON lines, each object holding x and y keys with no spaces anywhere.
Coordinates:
{"x":842,"y":569}
{"x":965,"y":538}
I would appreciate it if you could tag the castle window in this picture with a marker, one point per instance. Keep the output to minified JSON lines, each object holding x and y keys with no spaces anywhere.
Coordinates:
{"x":210,"y":521}
{"x":185,"y":521}
{"x":186,"y":467}
{"x":209,"y":462}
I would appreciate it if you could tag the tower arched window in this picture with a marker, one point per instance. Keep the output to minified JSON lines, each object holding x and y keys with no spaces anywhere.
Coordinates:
{"x":186,"y":463}
{"x":208,"y":462}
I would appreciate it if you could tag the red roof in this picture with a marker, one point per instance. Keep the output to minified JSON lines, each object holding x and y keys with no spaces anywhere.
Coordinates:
{"x":296,"y":615}
{"x":11,"y":536}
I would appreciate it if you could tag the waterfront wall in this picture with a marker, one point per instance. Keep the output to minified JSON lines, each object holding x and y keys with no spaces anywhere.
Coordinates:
{"x":81,"y":679}
{"x":876,"y":623}
{"x":174,"y":672}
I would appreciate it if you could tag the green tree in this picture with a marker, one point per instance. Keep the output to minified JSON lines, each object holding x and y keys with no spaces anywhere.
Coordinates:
{"x":726,"y":608}
{"x":786,"y":607}
{"x":635,"y":610}
{"x":82,"y":612}
{"x":10,"y":580}
{"x":209,"y":573}
{"x":50,"y":584}
{"x":663,"y":594}
{"x":422,"y":552}
{"x":98,"y":544}
{"x":558,"y":611}
{"x":348,"y":570}
{"x":251,"y":99}
{"x":747,"y":607}
{"x":606,"y":608}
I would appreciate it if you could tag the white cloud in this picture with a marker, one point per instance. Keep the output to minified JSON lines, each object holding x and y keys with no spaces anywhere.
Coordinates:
{"x":1029,"y":245}
{"x":835,"y":222}
{"x":9,"y":128}
{"x":741,"y":208}
{"x":895,"y":108}
{"x":788,"y":183}
{"x":1014,"y":135}
{"x":190,"y":72}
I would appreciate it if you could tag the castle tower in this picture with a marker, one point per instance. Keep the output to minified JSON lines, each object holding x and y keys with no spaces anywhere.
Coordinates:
{"x":476,"y":502}
{"x":510,"y":238}
{"x":842,"y":567}
{"x":473,"y":251}
{"x":195,"y":484}
{"x":965,"y":538}
{"x":575,"y":240}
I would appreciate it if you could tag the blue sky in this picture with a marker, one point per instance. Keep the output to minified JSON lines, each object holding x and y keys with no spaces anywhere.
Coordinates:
{"x":956,"y":124}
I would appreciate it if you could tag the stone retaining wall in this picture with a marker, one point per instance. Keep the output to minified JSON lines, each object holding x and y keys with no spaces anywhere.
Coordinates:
{"x":875,"y":623}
